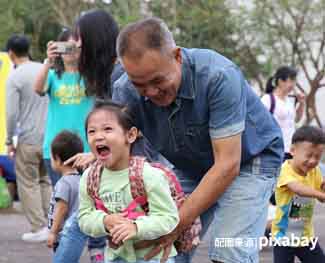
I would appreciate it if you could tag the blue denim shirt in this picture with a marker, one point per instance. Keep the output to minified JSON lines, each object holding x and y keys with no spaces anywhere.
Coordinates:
{"x":214,"y":101}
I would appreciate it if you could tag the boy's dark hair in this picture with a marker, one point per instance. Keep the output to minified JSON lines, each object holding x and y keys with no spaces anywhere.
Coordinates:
{"x":19,"y":44}
{"x":310,"y":134}
{"x":122,"y":113}
{"x":65,"y":145}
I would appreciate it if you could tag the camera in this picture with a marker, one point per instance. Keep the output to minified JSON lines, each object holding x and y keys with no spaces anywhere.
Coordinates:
{"x":65,"y":47}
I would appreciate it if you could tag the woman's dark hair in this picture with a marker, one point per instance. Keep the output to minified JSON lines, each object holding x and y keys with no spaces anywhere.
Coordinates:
{"x":282,"y":73}
{"x":59,"y":65}
{"x":65,"y":145}
{"x":310,"y":134}
{"x":122,"y":113}
{"x":98,"y":32}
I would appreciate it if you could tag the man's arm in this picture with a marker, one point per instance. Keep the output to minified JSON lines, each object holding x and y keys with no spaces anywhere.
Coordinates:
{"x":306,"y":191}
{"x":227,"y":156}
{"x":227,"y":113}
{"x":12,"y":109}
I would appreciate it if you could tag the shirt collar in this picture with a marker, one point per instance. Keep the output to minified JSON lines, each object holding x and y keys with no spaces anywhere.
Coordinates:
{"x":186,"y":89}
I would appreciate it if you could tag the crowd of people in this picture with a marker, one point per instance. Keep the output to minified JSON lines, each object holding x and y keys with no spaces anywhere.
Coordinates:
{"x":139,"y":146}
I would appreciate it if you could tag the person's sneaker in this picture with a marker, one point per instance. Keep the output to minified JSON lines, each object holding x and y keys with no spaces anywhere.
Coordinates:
{"x":96,"y":255}
{"x":36,"y":237}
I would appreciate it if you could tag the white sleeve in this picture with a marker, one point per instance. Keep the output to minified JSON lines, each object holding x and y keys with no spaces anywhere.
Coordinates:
{"x":266,"y":100}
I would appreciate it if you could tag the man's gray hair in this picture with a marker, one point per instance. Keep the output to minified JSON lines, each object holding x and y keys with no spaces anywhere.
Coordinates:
{"x":150,"y":33}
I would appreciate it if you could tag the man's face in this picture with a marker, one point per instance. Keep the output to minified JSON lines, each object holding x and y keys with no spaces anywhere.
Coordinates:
{"x":156,"y":76}
{"x":306,"y":155}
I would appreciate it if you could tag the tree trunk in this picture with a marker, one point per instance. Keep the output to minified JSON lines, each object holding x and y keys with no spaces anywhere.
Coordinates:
{"x":311,"y":111}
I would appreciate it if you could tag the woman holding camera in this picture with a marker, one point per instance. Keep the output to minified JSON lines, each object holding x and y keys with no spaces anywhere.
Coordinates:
{"x":68,"y":102}
{"x":69,"y":105}
{"x":286,"y":105}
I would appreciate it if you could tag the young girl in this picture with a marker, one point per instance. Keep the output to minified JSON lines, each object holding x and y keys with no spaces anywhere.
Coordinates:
{"x":111,"y":133}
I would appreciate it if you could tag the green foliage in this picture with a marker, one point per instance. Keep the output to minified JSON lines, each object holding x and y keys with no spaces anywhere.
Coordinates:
{"x":24,"y":17}
{"x":125,"y":12}
{"x":288,"y":28}
{"x":9,"y":25}
{"x":208,"y":24}
{"x":42,"y":20}
{"x":258,"y":35}
{"x":5,"y":198}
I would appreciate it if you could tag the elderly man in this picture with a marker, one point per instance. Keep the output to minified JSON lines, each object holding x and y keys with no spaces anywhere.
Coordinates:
{"x":198,"y":111}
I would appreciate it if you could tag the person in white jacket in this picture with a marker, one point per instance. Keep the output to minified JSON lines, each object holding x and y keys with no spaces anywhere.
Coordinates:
{"x":286,"y":105}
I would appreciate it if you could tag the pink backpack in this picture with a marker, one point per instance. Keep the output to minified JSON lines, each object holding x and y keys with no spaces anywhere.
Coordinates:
{"x":187,"y":240}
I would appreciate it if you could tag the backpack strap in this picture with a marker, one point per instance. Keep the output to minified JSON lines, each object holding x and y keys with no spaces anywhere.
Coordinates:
{"x":93,"y":182}
{"x":170,"y":175}
{"x":131,"y":213}
{"x":272,"y":99}
{"x":136,"y":181}
{"x":93,"y":179}
{"x":174,"y":185}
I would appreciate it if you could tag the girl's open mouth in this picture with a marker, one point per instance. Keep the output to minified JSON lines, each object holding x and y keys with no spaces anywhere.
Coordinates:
{"x":103,"y":151}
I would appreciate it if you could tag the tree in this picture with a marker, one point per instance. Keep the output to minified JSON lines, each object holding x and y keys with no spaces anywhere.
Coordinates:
{"x":29,"y":17}
{"x":290,"y":32}
{"x":206,"y":24}
{"x":259,"y":35}
{"x":43,"y":20}
{"x":9,"y":24}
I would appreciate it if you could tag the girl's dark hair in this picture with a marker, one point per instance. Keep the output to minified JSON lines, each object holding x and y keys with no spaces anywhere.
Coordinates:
{"x":98,"y":32}
{"x":59,"y":65}
{"x":65,"y":145}
{"x":122,"y":113}
{"x":282,"y":73}
{"x":310,"y":134}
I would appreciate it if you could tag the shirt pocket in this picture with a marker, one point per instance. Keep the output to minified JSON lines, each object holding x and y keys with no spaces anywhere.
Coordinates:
{"x":197,"y":138}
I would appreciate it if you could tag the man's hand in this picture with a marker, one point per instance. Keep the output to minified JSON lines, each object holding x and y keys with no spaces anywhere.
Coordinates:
{"x":81,"y":160}
{"x":164,"y":243}
{"x":51,"y":239}
{"x":321,"y":197}
{"x":323,"y":186}
{"x":110,"y":221}
{"x":11,"y":150}
{"x":123,"y":232}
